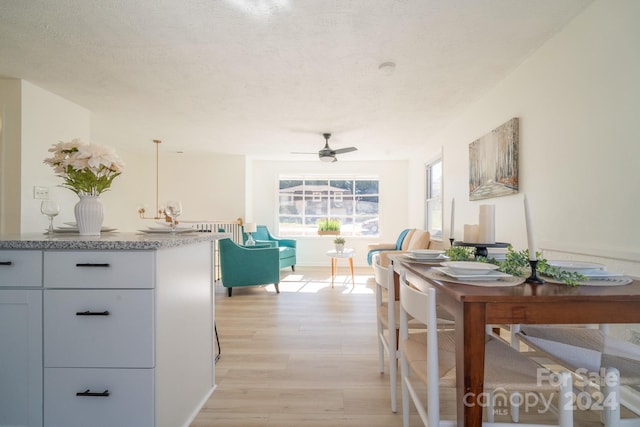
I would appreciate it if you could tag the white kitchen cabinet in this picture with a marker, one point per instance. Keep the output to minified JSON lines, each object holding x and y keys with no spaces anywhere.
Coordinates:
{"x":20,"y":269}
{"x":128,"y":336}
{"x":99,"y":328}
{"x":98,"y":397}
{"x":20,"y":358}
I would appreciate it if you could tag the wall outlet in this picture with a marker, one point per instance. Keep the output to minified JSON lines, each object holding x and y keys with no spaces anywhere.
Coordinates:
{"x":635,"y":337}
{"x":40,"y":192}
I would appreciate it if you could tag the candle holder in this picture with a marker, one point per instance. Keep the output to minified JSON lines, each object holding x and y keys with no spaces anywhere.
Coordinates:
{"x":533,"y":278}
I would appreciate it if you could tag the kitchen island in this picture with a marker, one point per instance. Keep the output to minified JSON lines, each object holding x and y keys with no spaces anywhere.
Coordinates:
{"x":111,"y":330}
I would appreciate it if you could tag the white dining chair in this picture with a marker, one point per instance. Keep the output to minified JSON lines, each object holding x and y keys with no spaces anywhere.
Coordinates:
{"x":601,"y":361}
{"x":388,"y":323}
{"x":387,"y":320}
{"x":429,"y":358}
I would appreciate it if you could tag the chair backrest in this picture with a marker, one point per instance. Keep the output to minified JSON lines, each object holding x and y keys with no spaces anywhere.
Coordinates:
{"x":262,"y":233}
{"x":422,"y":307}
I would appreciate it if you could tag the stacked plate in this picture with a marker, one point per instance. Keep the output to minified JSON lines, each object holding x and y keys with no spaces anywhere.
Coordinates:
{"x":71,"y":227}
{"x":591,"y":270}
{"x":165,"y":227}
{"x":497,"y":253}
{"x":427,"y":255}
{"x":470,"y":270}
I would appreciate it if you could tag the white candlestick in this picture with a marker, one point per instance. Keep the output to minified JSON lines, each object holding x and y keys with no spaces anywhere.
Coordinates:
{"x":453,"y":215}
{"x":527,"y":218}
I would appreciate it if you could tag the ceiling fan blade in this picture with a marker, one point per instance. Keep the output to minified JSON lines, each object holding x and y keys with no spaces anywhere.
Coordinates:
{"x":344,"y":150}
{"x":301,"y":152}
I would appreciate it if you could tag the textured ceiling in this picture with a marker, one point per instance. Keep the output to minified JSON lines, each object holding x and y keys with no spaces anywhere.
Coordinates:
{"x":267,"y":77}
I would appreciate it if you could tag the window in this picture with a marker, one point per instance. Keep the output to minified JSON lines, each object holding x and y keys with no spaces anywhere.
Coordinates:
{"x":433,"y":217}
{"x":304,"y":200}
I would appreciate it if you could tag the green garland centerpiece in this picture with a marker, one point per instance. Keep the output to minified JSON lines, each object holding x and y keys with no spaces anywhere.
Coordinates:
{"x":516,"y":263}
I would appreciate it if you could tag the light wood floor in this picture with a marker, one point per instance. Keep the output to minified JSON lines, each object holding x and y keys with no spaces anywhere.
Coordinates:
{"x":305,"y":357}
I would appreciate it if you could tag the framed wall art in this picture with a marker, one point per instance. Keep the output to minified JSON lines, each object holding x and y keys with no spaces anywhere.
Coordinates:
{"x":493,"y":163}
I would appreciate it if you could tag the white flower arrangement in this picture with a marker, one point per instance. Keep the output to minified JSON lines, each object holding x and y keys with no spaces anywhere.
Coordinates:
{"x":87,"y":169}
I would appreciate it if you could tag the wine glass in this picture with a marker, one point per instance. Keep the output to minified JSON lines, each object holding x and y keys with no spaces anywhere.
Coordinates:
{"x":173,"y":210}
{"x":50,"y":208}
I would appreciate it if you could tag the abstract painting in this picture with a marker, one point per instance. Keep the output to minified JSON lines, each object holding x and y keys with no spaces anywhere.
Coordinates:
{"x":493,"y":163}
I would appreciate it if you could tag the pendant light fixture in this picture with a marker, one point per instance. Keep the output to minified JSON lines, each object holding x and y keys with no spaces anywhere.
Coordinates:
{"x":158,"y":212}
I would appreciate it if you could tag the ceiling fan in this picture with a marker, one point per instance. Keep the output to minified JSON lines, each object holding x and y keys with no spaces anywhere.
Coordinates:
{"x":328,"y":154}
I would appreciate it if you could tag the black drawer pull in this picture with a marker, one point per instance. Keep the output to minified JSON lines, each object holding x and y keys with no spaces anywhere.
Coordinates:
{"x":88,"y":393}
{"x":93,"y":313}
{"x":6,"y":263}
{"x":91,"y":265}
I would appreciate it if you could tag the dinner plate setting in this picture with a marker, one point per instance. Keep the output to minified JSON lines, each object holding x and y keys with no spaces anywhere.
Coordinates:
{"x":433,"y":255}
{"x":165,"y":228}
{"x":74,"y":229}
{"x":596,"y":274}
{"x":473,"y":274}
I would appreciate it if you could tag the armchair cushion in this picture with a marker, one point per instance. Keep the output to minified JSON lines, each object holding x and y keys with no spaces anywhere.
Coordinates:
{"x":248,"y":265}
{"x":286,"y":247}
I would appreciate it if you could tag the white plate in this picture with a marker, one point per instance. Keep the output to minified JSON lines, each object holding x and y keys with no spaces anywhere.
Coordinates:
{"x":161,"y":228}
{"x":577,"y":266}
{"x":168,"y":230}
{"x":436,"y":258}
{"x":432,"y":252}
{"x":75,"y":229}
{"x":418,"y":257}
{"x":489,"y":276}
{"x":620,"y":280}
{"x":601,"y":274}
{"x":469,"y":267}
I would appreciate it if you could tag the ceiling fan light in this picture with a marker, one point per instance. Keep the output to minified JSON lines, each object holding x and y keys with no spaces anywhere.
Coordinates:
{"x":327,"y":159}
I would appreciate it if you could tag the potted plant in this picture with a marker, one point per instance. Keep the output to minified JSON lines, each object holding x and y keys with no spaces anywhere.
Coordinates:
{"x":328,"y":227}
{"x":339,"y":242}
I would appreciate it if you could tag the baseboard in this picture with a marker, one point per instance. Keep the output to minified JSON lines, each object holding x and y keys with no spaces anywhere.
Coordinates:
{"x":199,"y":407}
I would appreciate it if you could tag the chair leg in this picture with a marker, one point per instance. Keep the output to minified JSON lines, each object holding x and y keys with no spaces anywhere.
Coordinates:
{"x":611,"y":404}
{"x":293,"y":268}
{"x":229,"y":292}
{"x":277,"y":289}
{"x":393,"y":378}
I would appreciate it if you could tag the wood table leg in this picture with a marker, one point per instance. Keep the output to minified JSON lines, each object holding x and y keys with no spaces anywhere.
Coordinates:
{"x":470,"y":334}
{"x":353,"y":281}
{"x":333,"y":270}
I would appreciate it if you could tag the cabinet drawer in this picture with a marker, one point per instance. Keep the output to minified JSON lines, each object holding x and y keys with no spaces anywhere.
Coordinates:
{"x":128,"y":401}
{"x":99,"y":269}
{"x":20,"y":268}
{"x":99,"y":328}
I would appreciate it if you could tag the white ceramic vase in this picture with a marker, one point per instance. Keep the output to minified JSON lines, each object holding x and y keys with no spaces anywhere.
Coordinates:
{"x":89,"y":215}
{"x":339,"y":247}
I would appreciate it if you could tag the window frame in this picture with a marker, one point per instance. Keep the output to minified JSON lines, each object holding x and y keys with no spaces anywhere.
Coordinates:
{"x":433,"y":206}
{"x":348,"y":203}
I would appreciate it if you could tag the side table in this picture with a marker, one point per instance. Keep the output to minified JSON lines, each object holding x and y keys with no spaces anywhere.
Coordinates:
{"x":335,"y":255}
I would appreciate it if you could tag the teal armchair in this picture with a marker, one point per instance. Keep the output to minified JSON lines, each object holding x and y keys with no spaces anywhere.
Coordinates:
{"x":248,"y":266}
{"x":286,"y":247}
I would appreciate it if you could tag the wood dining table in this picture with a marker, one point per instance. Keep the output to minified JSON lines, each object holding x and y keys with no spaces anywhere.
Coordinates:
{"x":475,"y":307}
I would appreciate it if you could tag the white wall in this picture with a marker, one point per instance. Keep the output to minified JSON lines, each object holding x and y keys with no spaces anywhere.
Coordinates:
{"x":10,"y":119}
{"x":394,"y":215}
{"x":578,"y":100}
{"x":211,"y":186}
{"x":46,"y":120}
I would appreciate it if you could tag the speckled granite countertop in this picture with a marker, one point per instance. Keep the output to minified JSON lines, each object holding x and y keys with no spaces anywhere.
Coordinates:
{"x":106,"y":241}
